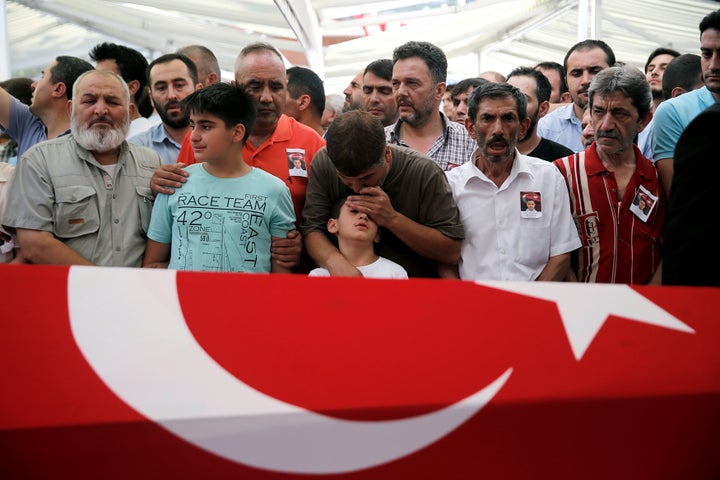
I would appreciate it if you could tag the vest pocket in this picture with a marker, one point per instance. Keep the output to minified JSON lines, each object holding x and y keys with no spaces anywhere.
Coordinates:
{"x":75,"y":211}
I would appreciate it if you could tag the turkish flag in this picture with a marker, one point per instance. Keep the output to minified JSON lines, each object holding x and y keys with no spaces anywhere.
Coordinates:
{"x":130,"y":373}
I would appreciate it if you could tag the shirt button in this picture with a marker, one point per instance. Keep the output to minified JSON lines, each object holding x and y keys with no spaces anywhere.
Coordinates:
{"x":117,"y":249}
{"x":114,"y":196}
{"x":116,"y":221}
{"x":502,"y":251}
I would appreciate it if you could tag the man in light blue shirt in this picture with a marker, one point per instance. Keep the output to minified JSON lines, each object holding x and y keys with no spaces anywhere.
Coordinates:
{"x":672,"y":116}
{"x":582,"y":62}
{"x":171,"y":78}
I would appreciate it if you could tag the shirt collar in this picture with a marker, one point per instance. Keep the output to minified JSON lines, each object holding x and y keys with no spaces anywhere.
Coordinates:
{"x":594,"y":166}
{"x":469,"y":170}
{"x":395,"y":129}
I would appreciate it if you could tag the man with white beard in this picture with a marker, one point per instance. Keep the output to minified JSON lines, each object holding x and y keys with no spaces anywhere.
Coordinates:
{"x":85,"y":198}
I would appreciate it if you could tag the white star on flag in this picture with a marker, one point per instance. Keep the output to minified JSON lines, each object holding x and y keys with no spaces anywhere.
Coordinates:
{"x":585,"y":308}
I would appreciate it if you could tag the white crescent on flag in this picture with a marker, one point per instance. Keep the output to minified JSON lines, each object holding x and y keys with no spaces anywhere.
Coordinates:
{"x":133,"y":334}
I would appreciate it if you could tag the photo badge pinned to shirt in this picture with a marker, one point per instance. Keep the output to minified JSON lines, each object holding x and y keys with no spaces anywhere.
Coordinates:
{"x":296,"y":162}
{"x":643,"y":204}
{"x":530,"y":204}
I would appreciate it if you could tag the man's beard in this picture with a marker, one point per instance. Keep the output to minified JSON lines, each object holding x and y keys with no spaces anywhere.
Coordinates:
{"x":180,"y":122}
{"x":531,"y":128}
{"x":99,"y":140}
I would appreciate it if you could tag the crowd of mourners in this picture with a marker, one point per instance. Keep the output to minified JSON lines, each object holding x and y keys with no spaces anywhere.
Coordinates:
{"x":589,"y":170}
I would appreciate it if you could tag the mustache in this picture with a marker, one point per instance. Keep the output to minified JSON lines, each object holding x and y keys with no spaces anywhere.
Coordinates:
{"x":497,"y":139}
{"x":102,"y":119}
{"x":607,"y":134}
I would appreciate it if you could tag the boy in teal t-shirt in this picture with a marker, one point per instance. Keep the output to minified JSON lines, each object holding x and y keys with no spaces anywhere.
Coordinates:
{"x":227,"y":213}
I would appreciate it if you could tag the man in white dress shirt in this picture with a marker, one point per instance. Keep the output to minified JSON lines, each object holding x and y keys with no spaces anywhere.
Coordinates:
{"x":515,"y":208}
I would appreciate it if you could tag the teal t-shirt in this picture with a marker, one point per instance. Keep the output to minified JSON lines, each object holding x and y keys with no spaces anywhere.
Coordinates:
{"x":223,"y":224}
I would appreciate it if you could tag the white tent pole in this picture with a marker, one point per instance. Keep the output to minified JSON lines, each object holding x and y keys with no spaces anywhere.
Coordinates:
{"x":303,"y":20}
{"x":589,"y":17}
{"x":4,"y":44}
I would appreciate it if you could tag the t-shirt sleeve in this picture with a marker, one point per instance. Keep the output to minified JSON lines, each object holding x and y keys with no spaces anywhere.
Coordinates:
{"x":161,"y":220}
{"x":438,"y":207}
{"x":283,"y":219}
{"x":318,"y":198}
{"x":666,"y":132}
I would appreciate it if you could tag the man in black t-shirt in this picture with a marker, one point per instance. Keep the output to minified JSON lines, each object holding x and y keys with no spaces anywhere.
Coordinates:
{"x":536,"y":88}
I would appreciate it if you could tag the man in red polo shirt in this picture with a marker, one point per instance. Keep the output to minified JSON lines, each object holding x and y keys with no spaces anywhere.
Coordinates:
{"x":275,"y":141}
{"x":611,"y":180}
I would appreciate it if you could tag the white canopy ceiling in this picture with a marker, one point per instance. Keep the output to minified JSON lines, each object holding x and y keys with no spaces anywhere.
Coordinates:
{"x":337,"y":38}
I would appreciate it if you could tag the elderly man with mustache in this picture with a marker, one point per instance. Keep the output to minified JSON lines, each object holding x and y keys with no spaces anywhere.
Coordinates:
{"x":505,"y":238}
{"x":85,"y":198}
{"x":620,"y":242}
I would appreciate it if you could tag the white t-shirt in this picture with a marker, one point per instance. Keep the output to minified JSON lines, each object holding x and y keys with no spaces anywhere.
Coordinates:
{"x":380,"y":268}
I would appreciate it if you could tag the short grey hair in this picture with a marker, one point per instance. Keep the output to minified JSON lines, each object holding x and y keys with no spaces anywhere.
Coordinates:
{"x":106,"y":73}
{"x":630,"y":81}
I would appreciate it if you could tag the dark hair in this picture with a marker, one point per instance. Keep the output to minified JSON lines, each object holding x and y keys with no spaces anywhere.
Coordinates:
{"x":629,"y":81}
{"x":303,"y":81}
{"x":711,"y":20}
{"x":542,"y":84}
{"x":169,"y":57}
{"x":660,"y":51}
{"x":432,"y":55}
{"x":497,"y":90}
{"x":228,"y":102}
{"x":131,"y":63}
{"x":561,"y":72}
{"x":356,"y":142}
{"x":466,"y":83}
{"x":589,"y":45}
{"x":144,"y":104}
{"x":684,"y":71}
{"x":382,"y":68}
{"x":20,"y":88}
{"x":67,"y":70}
{"x":208,"y":61}
{"x":337,"y":206}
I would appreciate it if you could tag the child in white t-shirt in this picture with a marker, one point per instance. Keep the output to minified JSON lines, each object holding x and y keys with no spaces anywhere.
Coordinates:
{"x":356,"y":235}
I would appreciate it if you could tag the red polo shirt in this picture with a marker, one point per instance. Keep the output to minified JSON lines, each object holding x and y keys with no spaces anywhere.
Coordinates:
{"x":290,"y":140}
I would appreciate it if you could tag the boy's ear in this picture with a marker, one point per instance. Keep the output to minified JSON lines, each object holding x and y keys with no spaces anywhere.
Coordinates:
{"x":377,"y":237}
{"x":332,"y":226}
{"x":238,"y":132}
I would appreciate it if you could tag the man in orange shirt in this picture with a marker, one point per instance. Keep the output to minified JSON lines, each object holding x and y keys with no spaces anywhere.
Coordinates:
{"x":275,"y":141}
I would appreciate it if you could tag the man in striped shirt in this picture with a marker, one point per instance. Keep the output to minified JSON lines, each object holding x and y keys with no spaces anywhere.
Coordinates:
{"x":615,"y":195}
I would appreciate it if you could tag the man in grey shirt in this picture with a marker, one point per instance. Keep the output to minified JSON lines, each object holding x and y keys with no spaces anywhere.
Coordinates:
{"x":85,"y":198}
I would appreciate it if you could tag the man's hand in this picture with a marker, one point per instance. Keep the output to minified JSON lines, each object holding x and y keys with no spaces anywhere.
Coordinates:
{"x":286,"y":251}
{"x":167,"y":178}
{"x":375,"y":202}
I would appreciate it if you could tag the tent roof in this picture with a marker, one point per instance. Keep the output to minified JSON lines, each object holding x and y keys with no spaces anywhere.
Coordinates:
{"x":337,"y":38}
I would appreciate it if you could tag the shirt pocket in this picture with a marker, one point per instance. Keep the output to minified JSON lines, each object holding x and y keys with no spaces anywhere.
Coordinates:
{"x":534,"y":246}
{"x":145,"y":204}
{"x":75,"y":211}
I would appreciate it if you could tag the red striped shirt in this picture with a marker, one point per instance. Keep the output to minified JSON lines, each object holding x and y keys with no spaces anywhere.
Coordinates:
{"x":617,"y":246}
